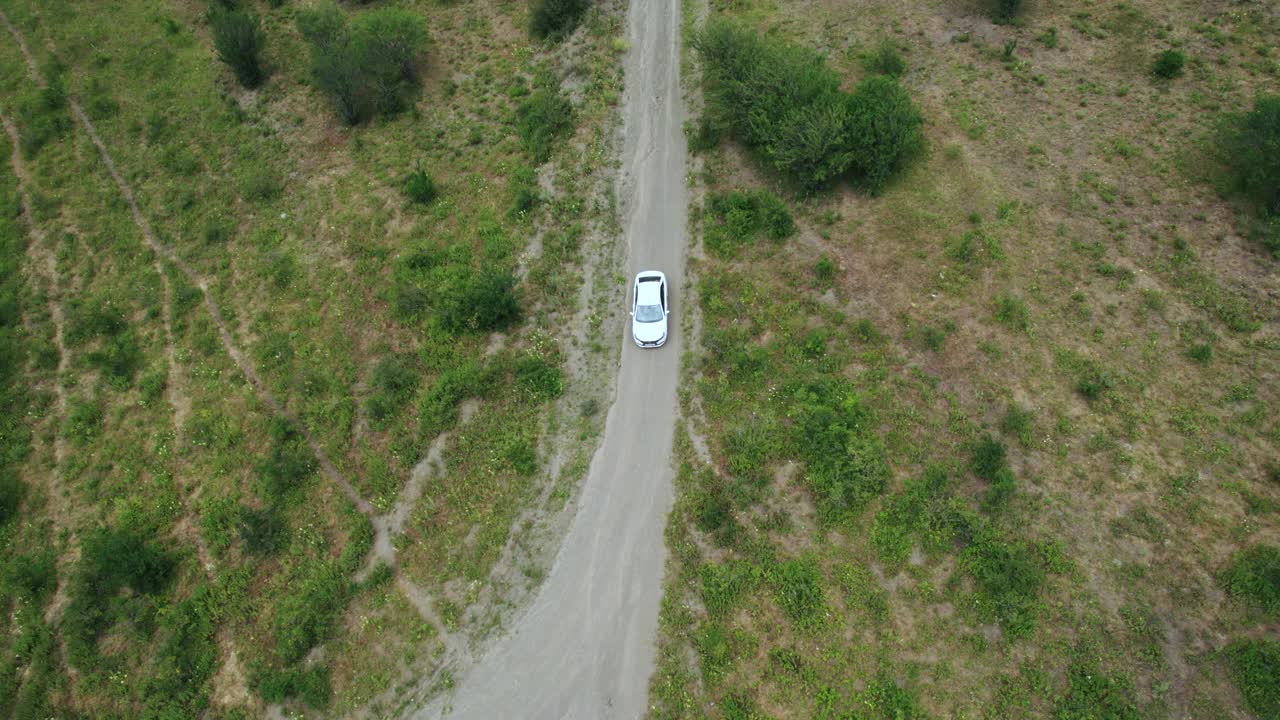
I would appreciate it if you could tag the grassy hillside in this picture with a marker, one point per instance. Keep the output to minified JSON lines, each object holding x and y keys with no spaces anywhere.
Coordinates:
{"x":1013,"y":414}
{"x":234,"y":324}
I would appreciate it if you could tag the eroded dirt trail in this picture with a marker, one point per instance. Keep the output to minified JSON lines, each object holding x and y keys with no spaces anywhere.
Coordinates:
{"x":585,"y":648}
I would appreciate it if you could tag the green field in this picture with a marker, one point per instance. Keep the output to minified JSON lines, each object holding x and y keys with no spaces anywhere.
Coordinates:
{"x":215,"y":397}
{"x":1012,"y":448}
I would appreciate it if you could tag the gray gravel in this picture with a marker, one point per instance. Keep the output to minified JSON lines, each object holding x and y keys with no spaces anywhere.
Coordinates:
{"x":585,"y":647}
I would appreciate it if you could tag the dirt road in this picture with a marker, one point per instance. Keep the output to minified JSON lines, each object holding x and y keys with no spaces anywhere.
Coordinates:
{"x":585,"y":647}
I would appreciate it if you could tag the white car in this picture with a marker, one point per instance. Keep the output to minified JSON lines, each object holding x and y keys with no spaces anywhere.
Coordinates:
{"x":649,"y":309}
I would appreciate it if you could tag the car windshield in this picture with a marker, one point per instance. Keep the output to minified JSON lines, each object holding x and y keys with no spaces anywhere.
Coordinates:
{"x":648,"y":313}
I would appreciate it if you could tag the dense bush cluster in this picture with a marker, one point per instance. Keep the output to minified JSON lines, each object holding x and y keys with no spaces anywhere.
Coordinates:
{"x":239,"y":40}
{"x":368,"y":66}
{"x":306,"y":617}
{"x":110,"y":560}
{"x":1008,"y":572}
{"x":442,"y":284}
{"x":781,"y":101}
{"x":736,"y":219}
{"x":555,"y":19}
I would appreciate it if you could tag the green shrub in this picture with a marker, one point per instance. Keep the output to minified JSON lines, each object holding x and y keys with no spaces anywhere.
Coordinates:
{"x":784,"y":103}
{"x":713,"y":510}
{"x":1094,"y":382}
{"x":291,"y":462}
{"x":43,"y":117}
{"x":33,"y":576}
{"x":438,"y":410}
{"x":885,"y":60}
{"x":1255,"y":669}
{"x":484,"y":301}
{"x":1250,"y":143}
{"x":739,"y":705}
{"x":238,"y":38}
{"x":12,"y":492}
{"x":368,"y":67}
{"x":974,"y":249}
{"x":738,"y":218}
{"x":1094,"y":694}
{"x":1169,"y":64}
{"x":538,"y":378}
{"x":525,"y":193}
{"x":261,"y":531}
{"x":1020,"y":423}
{"x":884,"y":131}
{"x":305,"y":618}
{"x":395,"y":380}
{"x":109,"y":560}
{"x":1009,"y":575}
{"x":989,"y":458}
{"x":1200,"y":353}
{"x":419,"y":187}
{"x":797,"y":587}
{"x":311,"y":685}
{"x":844,"y":460}
{"x":555,"y":19}
{"x":824,"y":271}
{"x":1005,"y":11}
{"x":118,"y":359}
{"x":543,"y":120}
{"x":724,"y":585}
{"x":1012,"y":311}
{"x":886,"y":700}
{"x":262,"y":185}
{"x":186,"y":659}
{"x":1254,"y":576}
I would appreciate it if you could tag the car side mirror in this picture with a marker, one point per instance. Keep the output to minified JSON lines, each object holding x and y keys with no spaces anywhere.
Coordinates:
{"x":666,"y":312}
{"x":632,"y":313}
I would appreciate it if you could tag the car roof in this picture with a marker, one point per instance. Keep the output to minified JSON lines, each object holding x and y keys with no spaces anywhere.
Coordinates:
{"x":648,"y":293}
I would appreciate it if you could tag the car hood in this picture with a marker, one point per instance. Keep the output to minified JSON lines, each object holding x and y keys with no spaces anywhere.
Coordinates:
{"x":649,"y":332}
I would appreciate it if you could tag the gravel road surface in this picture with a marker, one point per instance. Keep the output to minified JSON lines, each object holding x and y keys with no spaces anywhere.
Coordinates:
{"x":585,"y":647}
